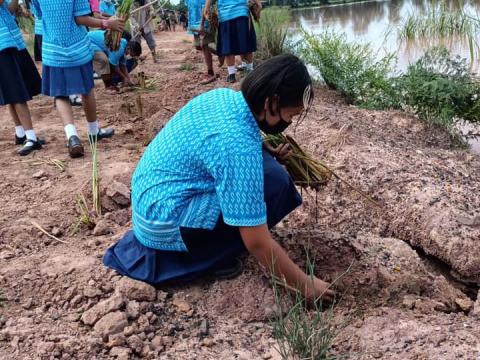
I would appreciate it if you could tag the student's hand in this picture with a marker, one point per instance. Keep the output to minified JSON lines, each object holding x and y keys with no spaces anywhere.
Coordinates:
{"x":319,"y":289}
{"x":282,"y":152}
{"x":115,"y":24}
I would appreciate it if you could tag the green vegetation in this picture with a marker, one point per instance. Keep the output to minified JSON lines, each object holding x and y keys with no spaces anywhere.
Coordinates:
{"x":186,"y":67}
{"x":272,"y":32}
{"x":302,"y":333}
{"x":439,"y":88}
{"x":351,"y":68}
{"x":439,"y":22}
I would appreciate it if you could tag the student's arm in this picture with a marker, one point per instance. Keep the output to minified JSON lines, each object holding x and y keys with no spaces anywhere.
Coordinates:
{"x":121,"y":71}
{"x":111,"y":23}
{"x":270,"y":254}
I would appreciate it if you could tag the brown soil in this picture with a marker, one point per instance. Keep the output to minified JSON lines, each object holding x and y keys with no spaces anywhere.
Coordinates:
{"x":413,"y":266}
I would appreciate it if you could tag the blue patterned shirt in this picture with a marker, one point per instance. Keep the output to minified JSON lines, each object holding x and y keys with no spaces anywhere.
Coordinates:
{"x":232,"y":9}
{"x":107,"y":7}
{"x":65,"y":44}
{"x":205,"y":162}
{"x":38,"y":22}
{"x":195,"y":11}
{"x":97,"y":39}
{"x":10,"y":34}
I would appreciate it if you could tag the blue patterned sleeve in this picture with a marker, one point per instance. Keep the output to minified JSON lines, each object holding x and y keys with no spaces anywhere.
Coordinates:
{"x":81,"y":8}
{"x":36,"y":10}
{"x":239,"y":187}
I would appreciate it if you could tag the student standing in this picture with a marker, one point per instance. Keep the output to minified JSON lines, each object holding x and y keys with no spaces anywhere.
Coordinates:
{"x":67,"y":63}
{"x":19,"y":78}
{"x":201,"y":35}
{"x":204,"y":192}
{"x":236,"y":33}
{"x":142,"y":26}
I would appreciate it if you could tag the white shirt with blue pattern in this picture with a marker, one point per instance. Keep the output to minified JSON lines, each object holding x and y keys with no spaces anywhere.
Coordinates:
{"x":206,"y":162}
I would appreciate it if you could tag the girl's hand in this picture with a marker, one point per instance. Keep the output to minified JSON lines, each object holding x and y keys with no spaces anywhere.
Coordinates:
{"x":319,"y":289}
{"x":282,"y":152}
{"x":115,"y":24}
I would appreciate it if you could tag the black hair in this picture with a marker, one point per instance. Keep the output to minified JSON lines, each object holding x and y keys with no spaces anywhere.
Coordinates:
{"x":135,"y":48}
{"x":126,"y":35}
{"x":285,"y":76}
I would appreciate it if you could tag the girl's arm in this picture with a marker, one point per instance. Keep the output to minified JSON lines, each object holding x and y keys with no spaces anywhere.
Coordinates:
{"x":270,"y":254}
{"x":112,"y":23}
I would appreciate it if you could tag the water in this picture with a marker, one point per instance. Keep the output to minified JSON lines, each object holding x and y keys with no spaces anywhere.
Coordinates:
{"x":377,"y":23}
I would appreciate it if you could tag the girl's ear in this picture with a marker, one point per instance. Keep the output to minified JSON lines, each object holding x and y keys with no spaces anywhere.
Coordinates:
{"x":273,"y":105}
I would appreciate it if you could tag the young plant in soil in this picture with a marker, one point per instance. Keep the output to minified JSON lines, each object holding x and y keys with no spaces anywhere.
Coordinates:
{"x":302,"y":333}
{"x":96,"y":201}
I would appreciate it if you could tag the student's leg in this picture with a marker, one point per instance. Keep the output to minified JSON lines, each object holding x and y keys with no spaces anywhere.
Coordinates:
{"x":248,"y":59}
{"x":90,"y":108}
{"x":151,"y":45}
{"x":64,"y":108}
{"x":23,"y":123}
{"x":232,"y":70}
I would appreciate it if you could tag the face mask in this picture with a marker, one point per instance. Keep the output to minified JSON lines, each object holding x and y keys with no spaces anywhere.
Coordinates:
{"x":275,"y":129}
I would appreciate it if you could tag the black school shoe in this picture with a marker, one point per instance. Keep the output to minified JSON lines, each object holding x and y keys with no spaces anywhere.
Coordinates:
{"x":75,"y":147}
{"x":21,"y":140}
{"x":28,"y":147}
{"x":227,"y":270}
{"x":102,"y":134}
{"x":231,"y":78}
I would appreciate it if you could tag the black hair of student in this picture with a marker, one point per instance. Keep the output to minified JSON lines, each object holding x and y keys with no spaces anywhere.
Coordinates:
{"x":126,"y":35}
{"x":135,"y":48}
{"x":285,"y":76}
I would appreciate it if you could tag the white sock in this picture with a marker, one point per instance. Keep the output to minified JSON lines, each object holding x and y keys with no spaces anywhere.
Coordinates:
{"x":244,"y":64}
{"x":72,"y":97}
{"x":31,"y":135}
{"x":19,"y":131}
{"x":249,"y":66}
{"x":231,"y":70}
{"x":70,"y":131}
{"x":93,"y":127}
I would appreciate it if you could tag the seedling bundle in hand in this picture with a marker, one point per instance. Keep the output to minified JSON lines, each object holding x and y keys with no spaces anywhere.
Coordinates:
{"x":304,"y":170}
{"x":123,"y":13}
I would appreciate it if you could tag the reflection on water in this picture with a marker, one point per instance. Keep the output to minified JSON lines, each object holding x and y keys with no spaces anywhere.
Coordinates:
{"x":376,"y":22}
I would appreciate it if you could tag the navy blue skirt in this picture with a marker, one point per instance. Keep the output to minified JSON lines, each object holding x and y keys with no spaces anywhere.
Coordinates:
{"x":58,"y":81}
{"x":19,"y":78}
{"x":236,"y":37}
{"x":206,"y":248}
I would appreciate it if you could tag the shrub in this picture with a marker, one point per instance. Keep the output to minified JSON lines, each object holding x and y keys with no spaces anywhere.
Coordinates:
{"x":352,"y":69}
{"x":272,"y":33}
{"x":441,"y":89}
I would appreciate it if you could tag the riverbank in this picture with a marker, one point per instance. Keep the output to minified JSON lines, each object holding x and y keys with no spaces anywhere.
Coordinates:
{"x":400,"y":297}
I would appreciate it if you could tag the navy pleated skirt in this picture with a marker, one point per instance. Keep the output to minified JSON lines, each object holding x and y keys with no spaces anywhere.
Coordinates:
{"x":206,"y":248}
{"x":58,"y":81}
{"x":236,"y":37}
{"x":19,"y":78}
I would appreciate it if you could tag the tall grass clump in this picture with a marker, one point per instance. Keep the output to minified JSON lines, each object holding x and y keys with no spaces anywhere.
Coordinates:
{"x":272,"y":33}
{"x":352,"y":69}
{"x":302,"y":332}
{"x":441,"y":89}
{"x":439,"y":23}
